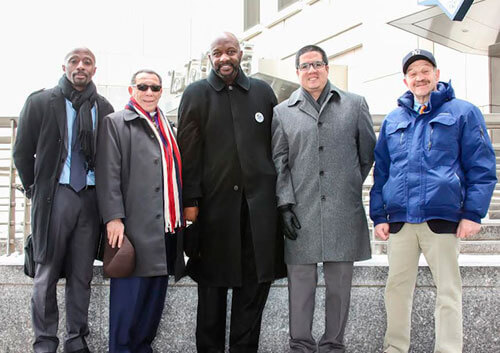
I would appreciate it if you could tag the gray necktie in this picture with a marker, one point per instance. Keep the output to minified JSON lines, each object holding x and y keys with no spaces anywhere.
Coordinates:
{"x":78,"y":173}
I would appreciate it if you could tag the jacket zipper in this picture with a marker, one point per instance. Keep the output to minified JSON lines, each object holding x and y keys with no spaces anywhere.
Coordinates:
{"x":430,"y":138}
{"x":481,"y":132}
{"x":460,"y":185}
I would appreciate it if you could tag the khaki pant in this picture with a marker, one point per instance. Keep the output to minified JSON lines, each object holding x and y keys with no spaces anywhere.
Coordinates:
{"x":441,"y":252}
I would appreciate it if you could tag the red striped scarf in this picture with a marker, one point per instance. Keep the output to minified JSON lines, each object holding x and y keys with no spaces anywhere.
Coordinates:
{"x":171,"y":165}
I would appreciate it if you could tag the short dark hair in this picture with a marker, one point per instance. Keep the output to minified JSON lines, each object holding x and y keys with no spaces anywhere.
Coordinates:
{"x":144,"y":71}
{"x":307,"y":49}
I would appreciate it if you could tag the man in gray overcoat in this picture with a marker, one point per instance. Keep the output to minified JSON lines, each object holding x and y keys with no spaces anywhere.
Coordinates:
{"x":139,"y":193}
{"x":322,"y":141}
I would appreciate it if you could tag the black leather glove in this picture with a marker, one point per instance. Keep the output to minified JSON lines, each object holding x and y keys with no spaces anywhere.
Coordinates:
{"x":290,"y":222}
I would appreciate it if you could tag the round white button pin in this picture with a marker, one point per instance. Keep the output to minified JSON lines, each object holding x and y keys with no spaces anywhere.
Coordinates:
{"x":259,"y":117}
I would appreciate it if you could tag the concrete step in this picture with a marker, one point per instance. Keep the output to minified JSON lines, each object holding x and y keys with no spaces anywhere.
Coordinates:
{"x":469,"y":247}
{"x":488,"y":232}
{"x":480,"y":247}
{"x":494,"y":214}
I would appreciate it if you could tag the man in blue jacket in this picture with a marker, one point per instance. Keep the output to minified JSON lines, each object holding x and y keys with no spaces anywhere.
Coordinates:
{"x":433,"y":180}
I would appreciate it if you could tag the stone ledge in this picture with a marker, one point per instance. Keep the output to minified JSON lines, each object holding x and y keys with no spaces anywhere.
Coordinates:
{"x":364,"y":333}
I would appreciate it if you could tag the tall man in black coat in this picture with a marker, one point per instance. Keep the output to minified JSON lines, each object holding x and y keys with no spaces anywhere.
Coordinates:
{"x":229,"y":188}
{"x":54,"y":155}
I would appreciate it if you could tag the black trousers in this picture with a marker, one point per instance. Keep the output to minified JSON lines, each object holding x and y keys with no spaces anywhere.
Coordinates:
{"x":248,"y":302}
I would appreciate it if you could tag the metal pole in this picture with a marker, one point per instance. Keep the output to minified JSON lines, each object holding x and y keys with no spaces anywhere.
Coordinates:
{"x":11,"y":238}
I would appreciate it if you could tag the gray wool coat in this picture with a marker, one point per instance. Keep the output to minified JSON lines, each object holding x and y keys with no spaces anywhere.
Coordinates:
{"x":322,"y":160}
{"x":129,"y":182}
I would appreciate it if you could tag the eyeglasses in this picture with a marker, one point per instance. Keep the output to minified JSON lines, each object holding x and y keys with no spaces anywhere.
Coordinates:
{"x":317,"y":65}
{"x":143,"y":87}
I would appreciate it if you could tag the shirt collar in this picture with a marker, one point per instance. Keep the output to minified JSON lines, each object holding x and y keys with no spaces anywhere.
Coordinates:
{"x":417,"y":104}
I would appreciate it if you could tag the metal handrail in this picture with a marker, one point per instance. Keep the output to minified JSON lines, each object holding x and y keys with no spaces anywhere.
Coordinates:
{"x":17,"y":231}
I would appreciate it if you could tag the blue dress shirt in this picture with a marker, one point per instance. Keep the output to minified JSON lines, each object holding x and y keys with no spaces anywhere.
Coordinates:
{"x":71,"y":117}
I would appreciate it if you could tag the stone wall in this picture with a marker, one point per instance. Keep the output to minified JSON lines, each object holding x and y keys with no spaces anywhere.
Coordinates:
{"x":481,"y":303}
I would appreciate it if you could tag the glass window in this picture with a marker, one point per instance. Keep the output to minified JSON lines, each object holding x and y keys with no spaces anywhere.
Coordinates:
{"x":252,"y":13}
{"x":284,"y":3}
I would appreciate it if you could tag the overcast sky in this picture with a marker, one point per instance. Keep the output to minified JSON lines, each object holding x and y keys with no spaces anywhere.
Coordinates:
{"x":124,"y":34}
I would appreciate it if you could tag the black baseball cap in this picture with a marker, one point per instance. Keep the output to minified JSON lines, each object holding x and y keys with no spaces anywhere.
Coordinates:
{"x":418,"y":54}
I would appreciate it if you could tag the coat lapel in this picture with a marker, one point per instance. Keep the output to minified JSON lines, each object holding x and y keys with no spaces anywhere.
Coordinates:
{"x":58,"y":104}
{"x":308,"y":109}
{"x":302,"y":103}
{"x":328,"y":97}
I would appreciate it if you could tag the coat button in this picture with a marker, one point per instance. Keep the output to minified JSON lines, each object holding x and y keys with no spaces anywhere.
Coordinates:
{"x":59,"y":140}
{"x":157,"y":188}
{"x":230,"y":88}
{"x":321,"y":173}
{"x":62,"y":160}
{"x":158,"y":216}
{"x":235,"y":188}
{"x":320,"y":123}
{"x":321,"y":148}
{"x":323,"y":197}
{"x":49,"y":200}
{"x":156,"y":161}
{"x":152,"y":136}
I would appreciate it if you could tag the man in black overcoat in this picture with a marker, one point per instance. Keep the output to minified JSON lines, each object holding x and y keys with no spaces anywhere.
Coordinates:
{"x":229,"y":188}
{"x":54,"y":156}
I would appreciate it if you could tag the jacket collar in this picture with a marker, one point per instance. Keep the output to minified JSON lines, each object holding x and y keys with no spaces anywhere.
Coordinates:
{"x":129,"y":115}
{"x":443,"y":94}
{"x":218,"y":84}
{"x":298,"y":98}
{"x":298,"y":95}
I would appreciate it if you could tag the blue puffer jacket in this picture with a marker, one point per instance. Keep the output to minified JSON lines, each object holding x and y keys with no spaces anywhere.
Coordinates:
{"x":437,"y":165}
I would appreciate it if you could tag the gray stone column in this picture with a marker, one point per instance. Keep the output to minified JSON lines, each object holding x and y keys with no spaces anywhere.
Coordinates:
{"x":494,"y":68}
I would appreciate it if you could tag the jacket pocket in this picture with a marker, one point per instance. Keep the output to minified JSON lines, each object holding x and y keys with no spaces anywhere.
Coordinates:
{"x":397,"y":136}
{"x":397,"y":142}
{"x":443,"y":189}
{"x":394,"y":191}
{"x":442,"y":141}
{"x":442,"y":132}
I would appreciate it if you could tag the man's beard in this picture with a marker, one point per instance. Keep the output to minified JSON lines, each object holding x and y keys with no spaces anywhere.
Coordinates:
{"x":80,"y":81}
{"x":233,"y":73}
